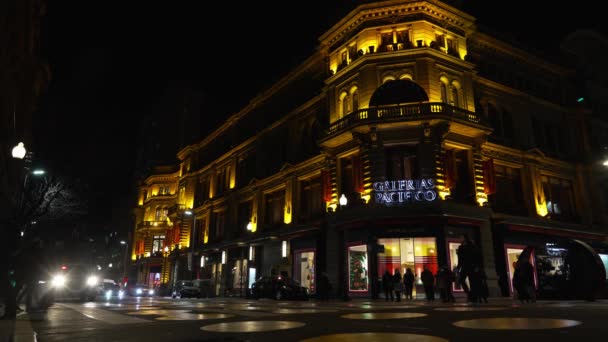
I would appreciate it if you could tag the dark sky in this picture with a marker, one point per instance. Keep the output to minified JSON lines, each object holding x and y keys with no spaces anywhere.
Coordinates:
{"x":112,"y":60}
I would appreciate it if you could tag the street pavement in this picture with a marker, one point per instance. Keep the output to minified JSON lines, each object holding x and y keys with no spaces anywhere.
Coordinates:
{"x":234,"y":319}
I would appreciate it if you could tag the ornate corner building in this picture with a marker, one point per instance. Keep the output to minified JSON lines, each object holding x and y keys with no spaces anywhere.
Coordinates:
{"x":405,"y":130}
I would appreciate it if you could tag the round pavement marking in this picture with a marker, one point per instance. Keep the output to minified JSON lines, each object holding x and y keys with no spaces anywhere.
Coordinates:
{"x":301,"y":311}
{"x":508,"y":323}
{"x":384,"y":315}
{"x":469,"y":308}
{"x":375,"y":337}
{"x":186,"y":316}
{"x":252,"y":326}
{"x":157,"y":312}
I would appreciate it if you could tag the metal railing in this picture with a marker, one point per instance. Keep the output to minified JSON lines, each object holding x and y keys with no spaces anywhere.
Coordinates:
{"x":409,"y":112}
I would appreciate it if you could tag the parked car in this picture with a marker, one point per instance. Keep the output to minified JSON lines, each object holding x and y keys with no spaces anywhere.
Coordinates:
{"x":279,"y":288}
{"x":198,"y":288}
{"x":140,"y":290}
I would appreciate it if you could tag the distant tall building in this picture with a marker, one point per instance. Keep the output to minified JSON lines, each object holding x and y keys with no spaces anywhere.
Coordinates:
{"x":408,"y":129}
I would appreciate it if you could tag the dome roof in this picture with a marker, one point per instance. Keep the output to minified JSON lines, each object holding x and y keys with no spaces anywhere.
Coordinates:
{"x":396,"y":92}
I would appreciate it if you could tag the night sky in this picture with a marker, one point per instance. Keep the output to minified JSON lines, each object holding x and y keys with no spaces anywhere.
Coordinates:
{"x":112,"y":60}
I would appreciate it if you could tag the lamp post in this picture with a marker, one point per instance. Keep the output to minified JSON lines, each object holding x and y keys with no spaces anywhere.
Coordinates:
{"x":124,"y":264}
{"x":37,"y":173}
{"x":192,"y":238}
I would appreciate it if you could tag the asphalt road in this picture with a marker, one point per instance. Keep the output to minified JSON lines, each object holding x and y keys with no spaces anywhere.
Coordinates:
{"x":233,"y":319}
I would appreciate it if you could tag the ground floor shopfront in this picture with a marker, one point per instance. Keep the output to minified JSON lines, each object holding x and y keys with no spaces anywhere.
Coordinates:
{"x":355,"y":255}
{"x":371,"y":250}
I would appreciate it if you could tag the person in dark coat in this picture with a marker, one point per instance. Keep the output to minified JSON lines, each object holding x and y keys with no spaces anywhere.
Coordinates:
{"x":445,"y":280}
{"x":398,"y":284}
{"x":428,"y":281}
{"x":387,"y":285}
{"x":523,"y":281}
{"x":408,"y":283}
{"x":469,"y":258}
{"x":323,"y":286}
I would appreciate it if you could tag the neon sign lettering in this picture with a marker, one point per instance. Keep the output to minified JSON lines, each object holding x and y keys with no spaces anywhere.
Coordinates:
{"x":404,"y":191}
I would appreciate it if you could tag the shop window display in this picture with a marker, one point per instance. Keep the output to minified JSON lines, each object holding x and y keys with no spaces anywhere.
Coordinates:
{"x":358,"y":269}
{"x":304,"y":269}
{"x":403,"y":253}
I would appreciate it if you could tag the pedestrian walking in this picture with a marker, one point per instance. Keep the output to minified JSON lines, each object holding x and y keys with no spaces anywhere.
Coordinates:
{"x":398,"y":284}
{"x":484,"y":291}
{"x":408,"y":283}
{"x":469,"y":258}
{"x":428,"y":281}
{"x":445,"y":281}
{"x":387,"y":285}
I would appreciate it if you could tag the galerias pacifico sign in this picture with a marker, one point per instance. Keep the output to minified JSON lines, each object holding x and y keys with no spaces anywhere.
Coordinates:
{"x":404,"y":191}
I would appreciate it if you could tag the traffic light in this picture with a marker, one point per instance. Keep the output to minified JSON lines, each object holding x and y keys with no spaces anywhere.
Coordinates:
{"x":11,"y":278}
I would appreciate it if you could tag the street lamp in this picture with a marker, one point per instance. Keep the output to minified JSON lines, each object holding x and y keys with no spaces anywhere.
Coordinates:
{"x":343,"y":200}
{"x":125,"y":260}
{"x":192,"y":236}
{"x":19,"y":151}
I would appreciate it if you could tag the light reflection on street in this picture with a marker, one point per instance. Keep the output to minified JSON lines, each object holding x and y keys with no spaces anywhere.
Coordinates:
{"x":252,"y":326}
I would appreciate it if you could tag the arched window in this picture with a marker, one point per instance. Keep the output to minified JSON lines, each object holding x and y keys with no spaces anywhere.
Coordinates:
{"x":444,"y":93}
{"x":343,"y":109}
{"x":388,"y":78}
{"x":355,"y":98}
{"x":456,"y":95}
{"x":443,"y":87}
{"x":406,"y":76}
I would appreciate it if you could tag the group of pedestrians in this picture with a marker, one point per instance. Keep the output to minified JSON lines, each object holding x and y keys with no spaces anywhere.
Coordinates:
{"x":469,"y":275}
{"x":394,"y":285}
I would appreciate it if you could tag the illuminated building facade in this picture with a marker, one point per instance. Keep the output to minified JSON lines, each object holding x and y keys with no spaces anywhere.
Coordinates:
{"x":406,"y":129}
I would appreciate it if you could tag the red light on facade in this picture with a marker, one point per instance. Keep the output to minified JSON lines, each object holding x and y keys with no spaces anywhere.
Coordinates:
{"x":64,"y":267}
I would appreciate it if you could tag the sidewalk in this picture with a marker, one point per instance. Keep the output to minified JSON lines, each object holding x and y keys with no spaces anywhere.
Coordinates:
{"x":19,"y":330}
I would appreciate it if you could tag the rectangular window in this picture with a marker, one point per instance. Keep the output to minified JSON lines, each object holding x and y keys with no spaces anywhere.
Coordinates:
{"x":243,"y":216}
{"x":311,"y":199}
{"x":157,"y":243}
{"x":200,"y":230}
{"x":401,"y":163}
{"x":220,"y":182}
{"x":358,"y":269}
{"x":463,"y":190}
{"x":274,"y":203}
{"x":220,"y":221}
{"x":202,"y":190}
{"x":509,"y":193}
{"x":559,"y":198}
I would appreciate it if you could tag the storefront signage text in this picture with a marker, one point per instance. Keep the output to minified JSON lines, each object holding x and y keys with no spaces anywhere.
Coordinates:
{"x":405,"y":190}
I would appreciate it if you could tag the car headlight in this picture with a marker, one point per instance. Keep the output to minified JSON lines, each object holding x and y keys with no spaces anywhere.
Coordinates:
{"x":151,"y":292}
{"x":121,"y":294}
{"x":58,"y":281}
{"x":139,"y":291}
{"x":108,"y":293}
{"x":92,"y":280}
